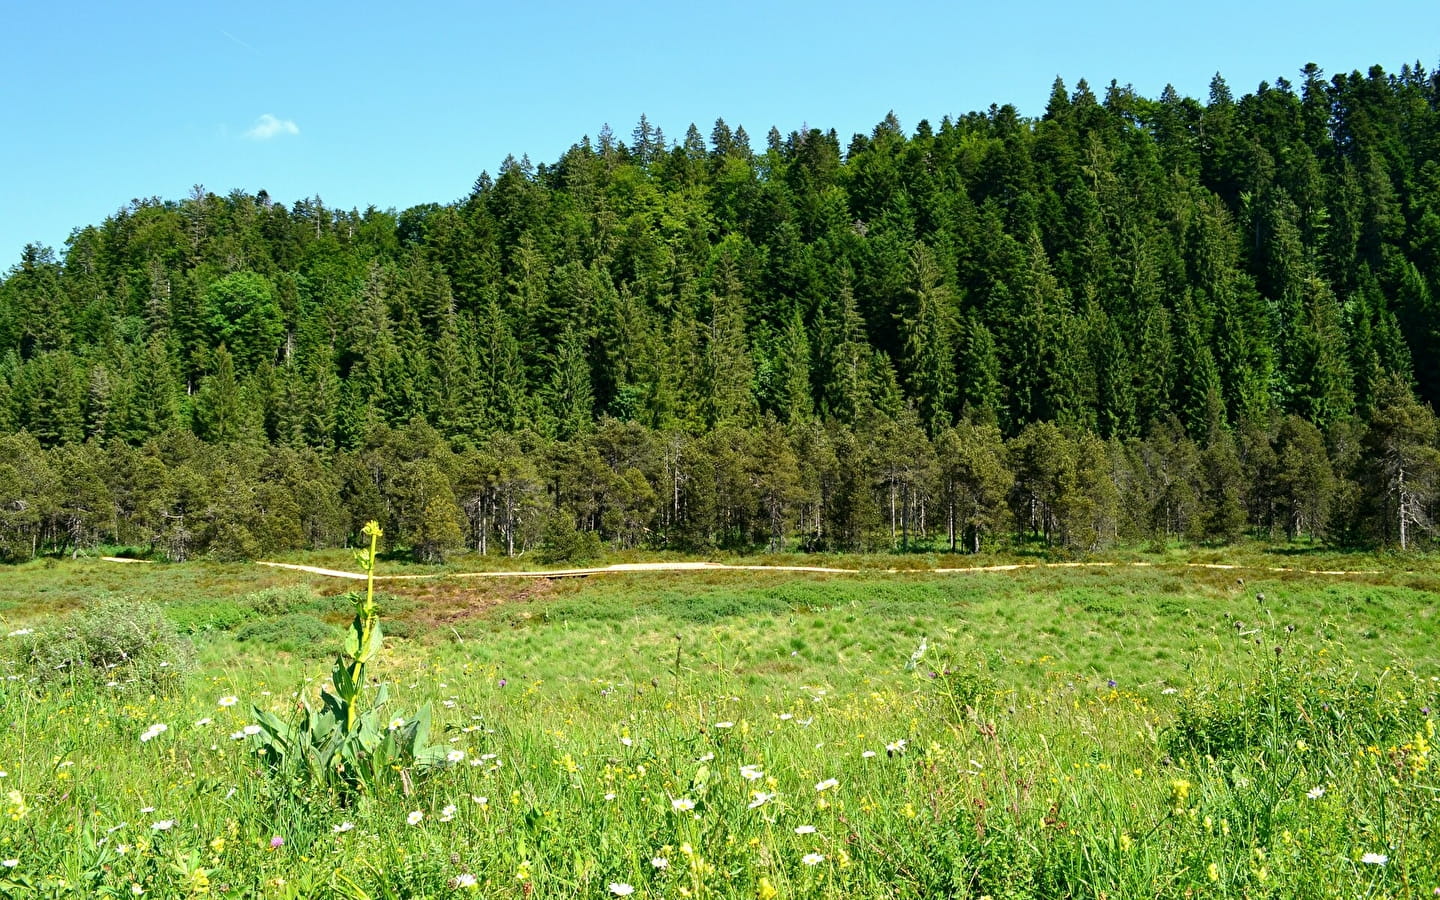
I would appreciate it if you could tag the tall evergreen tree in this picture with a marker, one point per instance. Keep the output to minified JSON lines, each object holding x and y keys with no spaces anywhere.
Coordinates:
{"x":929,"y":326}
{"x":1404,"y":463}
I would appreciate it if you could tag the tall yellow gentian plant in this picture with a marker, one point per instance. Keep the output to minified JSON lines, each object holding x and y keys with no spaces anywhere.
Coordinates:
{"x":344,"y":744}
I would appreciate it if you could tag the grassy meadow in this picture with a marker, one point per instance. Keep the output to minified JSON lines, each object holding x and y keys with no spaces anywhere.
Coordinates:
{"x":1125,"y":731}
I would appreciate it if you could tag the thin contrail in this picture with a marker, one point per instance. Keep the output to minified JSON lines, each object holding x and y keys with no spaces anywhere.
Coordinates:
{"x":238,"y":41}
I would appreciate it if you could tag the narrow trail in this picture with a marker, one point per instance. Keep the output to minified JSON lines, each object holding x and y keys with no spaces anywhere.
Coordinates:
{"x":622,"y":568}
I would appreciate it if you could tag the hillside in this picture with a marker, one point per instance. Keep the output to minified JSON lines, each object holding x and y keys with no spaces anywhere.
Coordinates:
{"x":1129,"y":319}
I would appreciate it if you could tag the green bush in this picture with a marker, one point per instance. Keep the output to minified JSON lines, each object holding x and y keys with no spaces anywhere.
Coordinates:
{"x":562,"y":542}
{"x":342,"y":604}
{"x":234,"y":543}
{"x":227,"y":615}
{"x":292,"y":633}
{"x":209,"y":615}
{"x":278,"y":601}
{"x":117,"y":643}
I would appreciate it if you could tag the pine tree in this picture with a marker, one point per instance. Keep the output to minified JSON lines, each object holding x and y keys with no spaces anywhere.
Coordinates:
{"x":980,"y":386}
{"x":1304,"y":480}
{"x":793,"y":398}
{"x":152,"y":404}
{"x":1222,"y":492}
{"x":221,"y":414}
{"x":929,"y":325}
{"x":1114,"y":377}
{"x":568,"y":395}
{"x":975,"y":480}
{"x":1403,"y":461}
{"x":728,"y":372}
{"x":1322,"y":378}
{"x":844,"y":356}
{"x":1198,"y":400}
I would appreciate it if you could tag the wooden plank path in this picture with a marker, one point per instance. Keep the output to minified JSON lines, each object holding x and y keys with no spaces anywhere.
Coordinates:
{"x":623,"y":568}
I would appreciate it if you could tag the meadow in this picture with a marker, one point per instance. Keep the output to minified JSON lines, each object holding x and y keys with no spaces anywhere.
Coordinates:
{"x":1125,"y":731}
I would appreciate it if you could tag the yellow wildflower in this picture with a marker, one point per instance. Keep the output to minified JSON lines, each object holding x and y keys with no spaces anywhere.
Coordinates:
{"x":17,"y":808}
{"x":1179,"y":793}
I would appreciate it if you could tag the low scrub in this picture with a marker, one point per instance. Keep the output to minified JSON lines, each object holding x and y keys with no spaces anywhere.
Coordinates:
{"x":299,"y":633}
{"x":116,"y":644}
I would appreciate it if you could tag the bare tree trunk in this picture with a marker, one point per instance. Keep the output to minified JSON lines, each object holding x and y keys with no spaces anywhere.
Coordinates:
{"x":950,"y":523}
{"x":892,"y":512}
{"x":905,"y":521}
{"x":1403,"y":503}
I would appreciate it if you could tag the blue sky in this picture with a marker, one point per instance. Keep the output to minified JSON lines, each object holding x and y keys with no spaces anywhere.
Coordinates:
{"x":373,"y":104}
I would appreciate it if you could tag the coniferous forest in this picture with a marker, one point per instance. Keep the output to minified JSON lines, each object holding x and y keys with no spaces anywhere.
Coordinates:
{"x":1127,"y":320}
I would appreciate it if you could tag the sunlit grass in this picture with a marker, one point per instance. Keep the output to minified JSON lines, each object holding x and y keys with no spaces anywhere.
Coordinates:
{"x":754,"y":735}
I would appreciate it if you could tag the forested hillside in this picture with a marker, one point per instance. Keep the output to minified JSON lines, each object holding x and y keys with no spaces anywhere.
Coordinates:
{"x":1130,"y":319}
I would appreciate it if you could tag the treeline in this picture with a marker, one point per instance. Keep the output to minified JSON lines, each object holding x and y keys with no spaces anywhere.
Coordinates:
{"x":884,"y":485}
{"x":1136,"y":272}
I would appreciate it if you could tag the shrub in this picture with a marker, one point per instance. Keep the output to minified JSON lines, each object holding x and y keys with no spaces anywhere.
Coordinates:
{"x":293,"y":633}
{"x":117,"y":643}
{"x":278,"y":601}
{"x":228,"y":615}
{"x":209,"y":615}
{"x":562,"y":542}
{"x":234,"y":543}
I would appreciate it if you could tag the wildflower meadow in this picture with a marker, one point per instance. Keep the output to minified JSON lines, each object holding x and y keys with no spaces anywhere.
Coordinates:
{"x":1079,"y":732}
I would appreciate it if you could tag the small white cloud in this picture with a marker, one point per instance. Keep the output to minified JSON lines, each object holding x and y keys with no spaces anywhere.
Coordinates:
{"x":267,"y":127}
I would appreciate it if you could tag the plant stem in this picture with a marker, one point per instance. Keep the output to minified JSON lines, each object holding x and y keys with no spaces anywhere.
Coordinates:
{"x":367,"y":625}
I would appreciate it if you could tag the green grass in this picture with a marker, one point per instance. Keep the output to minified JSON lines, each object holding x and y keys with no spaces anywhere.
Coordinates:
{"x":1076,"y":732}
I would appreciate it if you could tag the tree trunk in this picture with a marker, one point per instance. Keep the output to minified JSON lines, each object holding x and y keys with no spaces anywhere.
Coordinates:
{"x":1403,"y":503}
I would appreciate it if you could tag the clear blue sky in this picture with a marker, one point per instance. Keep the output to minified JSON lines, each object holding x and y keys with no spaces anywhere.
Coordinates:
{"x":375,"y":104}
